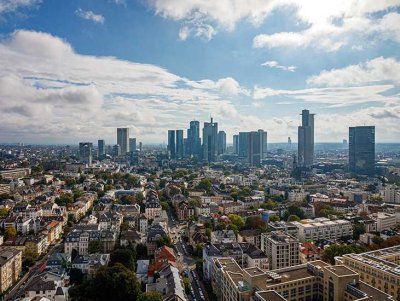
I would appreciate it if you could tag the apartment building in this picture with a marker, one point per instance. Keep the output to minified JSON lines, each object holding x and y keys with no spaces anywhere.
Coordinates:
{"x":316,"y":280}
{"x":384,"y":221}
{"x":380,"y":269}
{"x":281,"y":249}
{"x":10,"y":267}
{"x":323,"y":228}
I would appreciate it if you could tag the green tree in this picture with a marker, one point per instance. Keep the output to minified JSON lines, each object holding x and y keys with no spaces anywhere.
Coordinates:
{"x":124,"y":256}
{"x":294,"y":210}
{"x":141,"y":251}
{"x":150,"y":296}
{"x":338,"y":250}
{"x":3,"y":212}
{"x":205,"y":184}
{"x":94,"y":246}
{"x":274,"y":218}
{"x":10,"y":232}
{"x":64,"y":199}
{"x":255,"y":222}
{"x":269,"y":204}
{"x":30,"y":254}
{"x":116,"y":283}
{"x":187,"y":284}
{"x":236,"y":220}
{"x":293,"y":218}
{"x":358,"y":229}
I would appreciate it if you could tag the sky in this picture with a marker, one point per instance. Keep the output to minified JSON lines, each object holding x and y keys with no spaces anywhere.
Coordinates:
{"x":75,"y":70}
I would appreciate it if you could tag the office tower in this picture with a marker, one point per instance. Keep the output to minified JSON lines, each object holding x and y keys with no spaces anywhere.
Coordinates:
{"x":221,"y":142}
{"x":362,"y":150}
{"x":263,"y":144}
{"x":86,"y":152}
{"x":289,"y":142}
{"x":116,"y":150}
{"x":123,"y":140}
{"x":101,"y":148}
{"x":344,"y":143}
{"x":243,"y":144}
{"x":282,"y":249}
{"x":210,"y":133}
{"x":306,"y":140}
{"x":236,"y":144}
{"x":171,"y":144}
{"x":194,"y":141}
{"x":140,"y":146}
{"x":254,"y":148}
{"x":179,"y":143}
{"x":132,"y":144}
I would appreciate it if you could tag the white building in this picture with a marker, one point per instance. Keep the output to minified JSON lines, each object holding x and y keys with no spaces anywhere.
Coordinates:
{"x":384,"y":220}
{"x":323,"y":228}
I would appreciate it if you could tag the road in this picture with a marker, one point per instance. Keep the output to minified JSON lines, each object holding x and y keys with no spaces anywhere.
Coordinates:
{"x":19,"y":288}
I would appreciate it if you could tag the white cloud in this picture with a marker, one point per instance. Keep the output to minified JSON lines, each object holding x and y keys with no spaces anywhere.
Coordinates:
{"x":59,"y":95}
{"x":376,"y":70}
{"x":7,"y":6}
{"x":330,"y":21}
{"x":89,"y":15}
{"x":275,"y":64}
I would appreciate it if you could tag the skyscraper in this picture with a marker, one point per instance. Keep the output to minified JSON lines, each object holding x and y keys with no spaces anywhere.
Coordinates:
{"x":123,"y":140}
{"x":243,"y":144}
{"x":263,"y":143}
{"x":306,"y":140}
{"x":179,"y":144}
{"x":236,"y":144}
{"x":101,"y":148}
{"x":210,"y":133}
{"x":221,"y":142}
{"x":132,"y":144}
{"x":193,"y":139}
{"x":86,"y":152}
{"x":362,"y":150}
{"x":254,"y":148}
{"x":171,"y":144}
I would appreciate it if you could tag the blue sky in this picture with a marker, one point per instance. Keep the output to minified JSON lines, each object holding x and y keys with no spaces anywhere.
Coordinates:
{"x":76,"y":70}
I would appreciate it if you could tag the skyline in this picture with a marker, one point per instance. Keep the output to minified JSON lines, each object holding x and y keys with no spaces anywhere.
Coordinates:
{"x":77,"y":71}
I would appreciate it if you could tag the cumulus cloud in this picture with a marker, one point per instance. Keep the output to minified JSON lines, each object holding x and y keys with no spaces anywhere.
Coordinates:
{"x":276,"y":65}
{"x":376,"y":70}
{"x":330,"y":23}
{"x":89,"y":15}
{"x":59,"y":95}
{"x":7,"y":6}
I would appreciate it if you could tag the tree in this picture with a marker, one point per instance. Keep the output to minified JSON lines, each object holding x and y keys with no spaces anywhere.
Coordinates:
{"x":75,"y":276}
{"x":236,"y":220}
{"x":64,"y":199}
{"x":30,"y":254}
{"x":293,"y":218}
{"x":164,"y":205}
{"x":150,"y":296}
{"x":125,"y":257}
{"x":141,"y":251}
{"x":205,"y":184}
{"x":274,"y":218}
{"x":116,"y":283}
{"x":94,"y":246}
{"x":3,"y":212}
{"x":187,"y":285}
{"x":358,"y":229}
{"x":294,"y":210}
{"x":255,"y":222}
{"x":10,"y":232}
{"x":268,"y":204}
{"x":338,"y":250}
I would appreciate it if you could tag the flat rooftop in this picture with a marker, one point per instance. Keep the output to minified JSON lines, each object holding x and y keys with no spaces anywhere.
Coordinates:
{"x":270,"y":296}
{"x":341,"y":270}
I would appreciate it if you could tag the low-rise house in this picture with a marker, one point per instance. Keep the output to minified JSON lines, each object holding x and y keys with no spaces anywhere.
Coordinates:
{"x":223,"y":236}
{"x":156,"y":232}
{"x":90,"y":263}
{"x":252,"y":236}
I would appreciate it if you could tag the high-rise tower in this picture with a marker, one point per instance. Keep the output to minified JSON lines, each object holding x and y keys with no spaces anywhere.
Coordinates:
{"x":362,"y":150}
{"x":210,"y":133}
{"x":306,"y":140}
{"x":123,"y":140}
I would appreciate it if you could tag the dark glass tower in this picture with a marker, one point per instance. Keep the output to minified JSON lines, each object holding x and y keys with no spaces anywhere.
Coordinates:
{"x":193,"y":139}
{"x":306,"y":140}
{"x":171,"y":144}
{"x":362,"y":150}
{"x":210,"y":141}
{"x":179,"y":144}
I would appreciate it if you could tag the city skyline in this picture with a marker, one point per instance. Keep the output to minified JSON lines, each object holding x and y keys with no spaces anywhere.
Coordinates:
{"x":74,"y":71}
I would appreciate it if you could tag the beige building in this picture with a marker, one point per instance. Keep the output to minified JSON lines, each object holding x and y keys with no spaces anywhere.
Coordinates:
{"x":10,"y":267}
{"x":380,"y":269}
{"x":281,"y":249}
{"x":323,"y":228}
{"x":307,"y":282}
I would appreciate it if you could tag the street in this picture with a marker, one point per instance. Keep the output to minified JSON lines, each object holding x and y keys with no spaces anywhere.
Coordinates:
{"x":18,"y":290}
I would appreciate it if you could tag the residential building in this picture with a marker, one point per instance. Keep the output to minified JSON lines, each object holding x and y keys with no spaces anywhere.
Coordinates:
{"x":10,"y":267}
{"x":86,"y":152}
{"x":323,"y":228}
{"x":282,"y":249}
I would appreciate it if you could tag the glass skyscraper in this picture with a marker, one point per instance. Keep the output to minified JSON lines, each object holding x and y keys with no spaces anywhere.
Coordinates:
{"x":305,"y":151}
{"x":362,"y":150}
{"x":210,"y":141}
{"x":123,"y":140}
